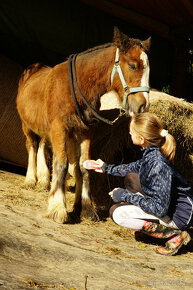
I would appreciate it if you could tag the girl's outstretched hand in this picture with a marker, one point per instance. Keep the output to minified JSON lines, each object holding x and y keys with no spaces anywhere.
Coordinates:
{"x":93,"y":165}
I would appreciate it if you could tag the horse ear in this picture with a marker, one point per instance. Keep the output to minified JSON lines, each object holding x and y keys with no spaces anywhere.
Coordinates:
{"x":121,"y":40}
{"x":146,"y":44}
{"x":117,"y":37}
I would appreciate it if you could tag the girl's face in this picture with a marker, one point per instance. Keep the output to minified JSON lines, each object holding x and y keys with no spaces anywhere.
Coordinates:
{"x":136,"y":138}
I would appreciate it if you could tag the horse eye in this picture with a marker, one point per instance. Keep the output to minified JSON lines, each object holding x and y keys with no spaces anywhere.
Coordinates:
{"x":132,"y":66}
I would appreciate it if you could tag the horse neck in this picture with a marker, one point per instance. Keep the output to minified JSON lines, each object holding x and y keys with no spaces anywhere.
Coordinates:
{"x":94,"y":71}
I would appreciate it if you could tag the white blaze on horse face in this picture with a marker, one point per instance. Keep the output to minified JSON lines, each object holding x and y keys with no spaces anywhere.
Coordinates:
{"x":145,"y":76}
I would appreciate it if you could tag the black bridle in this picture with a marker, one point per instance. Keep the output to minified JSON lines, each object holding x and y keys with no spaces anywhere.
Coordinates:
{"x":73,"y":81}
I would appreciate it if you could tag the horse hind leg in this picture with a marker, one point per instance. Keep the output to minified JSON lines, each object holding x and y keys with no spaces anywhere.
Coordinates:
{"x":31,"y":145}
{"x":43,"y":172}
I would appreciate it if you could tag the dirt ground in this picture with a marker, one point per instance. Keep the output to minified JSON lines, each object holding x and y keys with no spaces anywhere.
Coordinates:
{"x":37,"y":253}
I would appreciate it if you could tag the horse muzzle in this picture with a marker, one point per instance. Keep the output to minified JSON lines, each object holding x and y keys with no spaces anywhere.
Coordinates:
{"x":136,"y":103}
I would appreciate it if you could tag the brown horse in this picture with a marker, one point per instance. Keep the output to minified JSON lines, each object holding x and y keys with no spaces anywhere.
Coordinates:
{"x":47,"y":109}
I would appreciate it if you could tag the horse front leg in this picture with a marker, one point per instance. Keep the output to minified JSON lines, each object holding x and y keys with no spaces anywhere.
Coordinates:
{"x":57,"y":200}
{"x":88,"y":210}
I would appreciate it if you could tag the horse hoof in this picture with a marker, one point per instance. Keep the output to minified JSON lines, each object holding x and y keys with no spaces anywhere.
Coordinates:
{"x":43,"y":182}
{"x":43,"y":186}
{"x":73,"y":218}
{"x":30,"y":184}
{"x":58,"y":214}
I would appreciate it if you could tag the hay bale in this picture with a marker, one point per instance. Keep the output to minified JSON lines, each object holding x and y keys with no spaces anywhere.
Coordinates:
{"x":177,"y":117}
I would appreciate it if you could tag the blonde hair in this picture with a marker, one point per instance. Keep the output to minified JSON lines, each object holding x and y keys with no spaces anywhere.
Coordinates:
{"x":151,"y":129}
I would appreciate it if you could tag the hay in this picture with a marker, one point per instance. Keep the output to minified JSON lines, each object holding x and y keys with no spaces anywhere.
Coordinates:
{"x":177,"y":117}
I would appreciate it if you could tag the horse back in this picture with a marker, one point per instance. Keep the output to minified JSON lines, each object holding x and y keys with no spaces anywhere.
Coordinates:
{"x":28,"y":72}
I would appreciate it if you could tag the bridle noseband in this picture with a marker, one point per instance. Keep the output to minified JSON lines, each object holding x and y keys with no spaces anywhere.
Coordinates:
{"x":117,"y":68}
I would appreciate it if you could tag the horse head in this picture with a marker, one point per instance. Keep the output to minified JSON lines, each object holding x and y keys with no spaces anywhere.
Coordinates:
{"x":130,"y":75}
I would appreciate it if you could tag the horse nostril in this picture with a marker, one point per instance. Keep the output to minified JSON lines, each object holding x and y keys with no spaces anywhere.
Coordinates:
{"x":136,"y":103}
{"x":141,"y":108}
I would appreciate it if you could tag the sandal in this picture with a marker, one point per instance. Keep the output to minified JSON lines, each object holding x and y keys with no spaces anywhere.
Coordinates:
{"x":174,"y":244}
{"x":159,"y":231}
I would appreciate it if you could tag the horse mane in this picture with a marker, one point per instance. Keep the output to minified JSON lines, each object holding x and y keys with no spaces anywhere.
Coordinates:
{"x":98,"y":47}
{"x":124,"y":43}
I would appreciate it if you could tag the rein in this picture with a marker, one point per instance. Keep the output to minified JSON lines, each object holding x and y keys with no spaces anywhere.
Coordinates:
{"x":117,"y":68}
{"x":72,"y":77}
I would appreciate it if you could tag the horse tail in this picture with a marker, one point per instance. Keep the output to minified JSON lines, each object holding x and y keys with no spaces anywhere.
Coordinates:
{"x":29,"y":71}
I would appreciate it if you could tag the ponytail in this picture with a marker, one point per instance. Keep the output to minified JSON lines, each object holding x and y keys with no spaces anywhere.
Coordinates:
{"x":168,"y":147}
{"x":149,"y":126}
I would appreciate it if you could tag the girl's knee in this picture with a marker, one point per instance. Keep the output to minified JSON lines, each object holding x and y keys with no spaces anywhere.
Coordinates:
{"x":111,"y":210}
{"x":114,"y":207}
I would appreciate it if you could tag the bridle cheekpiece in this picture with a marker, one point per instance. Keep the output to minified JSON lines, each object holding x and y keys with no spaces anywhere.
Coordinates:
{"x":126,"y":88}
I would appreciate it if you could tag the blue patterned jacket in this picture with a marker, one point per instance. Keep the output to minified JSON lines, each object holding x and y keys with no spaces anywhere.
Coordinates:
{"x":166,"y":191}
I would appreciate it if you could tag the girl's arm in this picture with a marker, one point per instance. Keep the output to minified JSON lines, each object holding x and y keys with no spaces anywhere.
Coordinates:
{"x":121,"y":170}
{"x":116,"y":170}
